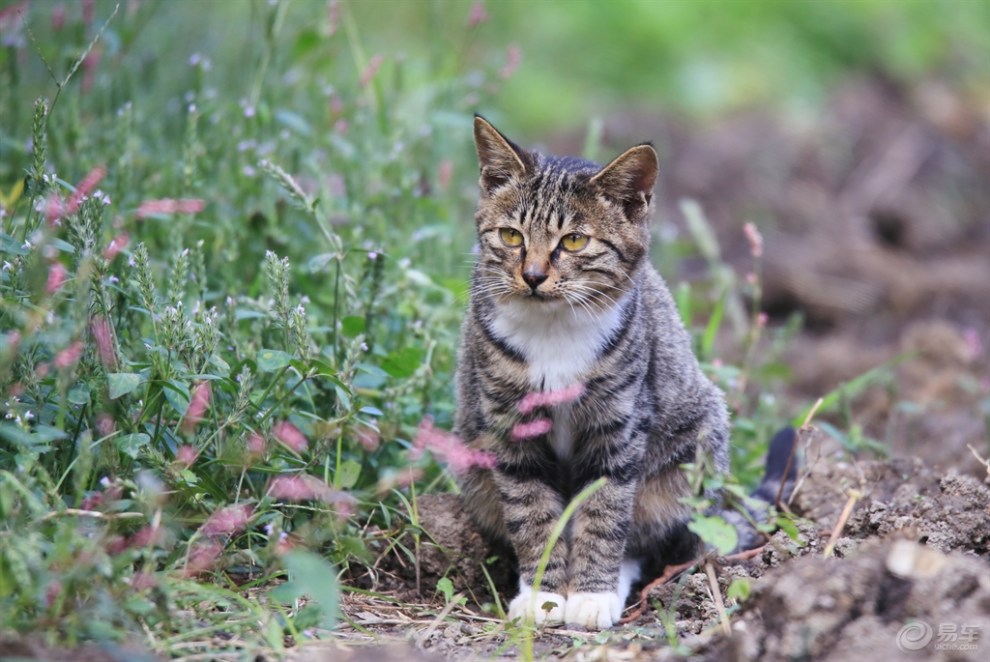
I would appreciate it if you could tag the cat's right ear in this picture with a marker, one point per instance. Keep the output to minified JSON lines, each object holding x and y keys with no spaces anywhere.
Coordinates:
{"x":500,"y":159}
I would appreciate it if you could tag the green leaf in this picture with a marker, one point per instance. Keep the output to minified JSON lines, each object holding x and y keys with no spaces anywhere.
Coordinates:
{"x":787,"y":526}
{"x":352,"y":325}
{"x":79,"y":394}
{"x":270,"y":360}
{"x":715,"y":531}
{"x":738,"y":590}
{"x":310,"y":575}
{"x":348,"y":475}
{"x":131,"y":444}
{"x":402,"y":363}
{"x":446,"y":588}
{"x":122,"y":383}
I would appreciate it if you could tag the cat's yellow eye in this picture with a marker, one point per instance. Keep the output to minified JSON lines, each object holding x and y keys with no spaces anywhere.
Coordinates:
{"x":574,"y":242}
{"x":510,"y":237}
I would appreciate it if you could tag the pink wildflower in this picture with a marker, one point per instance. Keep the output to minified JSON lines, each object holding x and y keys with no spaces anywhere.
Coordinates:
{"x":513,"y":58}
{"x":57,"y":275}
{"x":55,"y":209}
{"x":290,"y":436}
{"x":550,"y":398}
{"x":58,"y":17}
{"x":444,"y":174}
{"x":294,"y":488}
{"x":69,"y":356}
{"x":451,"y":449}
{"x":227,"y":521}
{"x":198,"y":404}
{"x":761,"y":320}
{"x":52,"y":591}
{"x":532,"y":429}
{"x":116,"y":245}
{"x":374,"y":64}
{"x":105,"y":424}
{"x":87,"y":7}
{"x":402,"y":478}
{"x":255,"y":446}
{"x":186,"y":455}
{"x":115,"y":545}
{"x":103,"y":337}
{"x":333,"y":17}
{"x":974,"y":346}
{"x":92,"y":501}
{"x":341,"y":126}
{"x":147,"y":536}
{"x":13,"y":340}
{"x":368,"y":438}
{"x":42,"y":369}
{"x":170,"y":206}
{"x":143,"y":580}
{"x":478,"y":14}
{"x":202,"y":556}
{"x":754,"y":238}
{"x":90,"y":65}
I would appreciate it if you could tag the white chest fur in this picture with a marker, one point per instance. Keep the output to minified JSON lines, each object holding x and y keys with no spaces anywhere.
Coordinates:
{"x":560,"y":345}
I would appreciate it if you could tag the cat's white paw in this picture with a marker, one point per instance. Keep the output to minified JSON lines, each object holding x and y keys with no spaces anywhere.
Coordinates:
{"x":595,"y":611}
{"x":536,"y":607}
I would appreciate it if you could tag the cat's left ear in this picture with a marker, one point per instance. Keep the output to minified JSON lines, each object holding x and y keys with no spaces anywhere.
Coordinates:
{"x":629,"y":180}
{"x":501,"y":160}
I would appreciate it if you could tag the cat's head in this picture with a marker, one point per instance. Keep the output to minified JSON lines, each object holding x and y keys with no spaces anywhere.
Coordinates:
{"x":560,"y":230}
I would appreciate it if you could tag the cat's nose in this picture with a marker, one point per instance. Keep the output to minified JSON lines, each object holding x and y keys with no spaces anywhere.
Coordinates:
{"x":534,"y":275}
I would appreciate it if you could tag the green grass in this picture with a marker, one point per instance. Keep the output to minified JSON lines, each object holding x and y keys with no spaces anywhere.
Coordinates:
{"x":209,"y":400}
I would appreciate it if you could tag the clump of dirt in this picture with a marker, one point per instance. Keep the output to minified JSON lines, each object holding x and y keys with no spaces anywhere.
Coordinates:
{"x":889,"y":599}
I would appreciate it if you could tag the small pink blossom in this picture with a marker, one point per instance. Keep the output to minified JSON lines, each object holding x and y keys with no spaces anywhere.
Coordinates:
{"x":761,"y":320}
{"x":147,"y":536}
{"x":255,"y":445}
{"x":186,"y":455}
{"x":227,"y":521}
{"x":550,"y":398}
{"x":57,"y":275}
{"x":116,"y":245}
{"x":103,"y":337}
{"x":69,"y":356}
{"x":293,"y":488}
{"x":143,"y":580}
{"x":374,"y":64}
{"x":58,"y":17}
{"x":87,"y":11}
{"x":532,"y":429}
{"x":450,"y":448}
{"x":478,"y":14}
{"x":444,"y":174}
{"x":13,"y":340}
{"x":85,"y":187}
{"x":333,"y":17}
{"x":402,"y":478}
{"x":115,"y":545}
{"x":169,"y":206}
{"x":90,"y":64}
{"x":199,"y":402}
{"x":368,"y":438}
{"x":290,"y":436}
{"x":52,"y":591}
{"x":513,"y":58}
{"x":752,"y":278}
{"x":105,"y":425}
{"x":203,"y":556}
{"x":341,"y":126}
{"x":754,"y":238}
{"x":42,"y":369}
{"x":974,"y":346}
{"x":92,"y":501}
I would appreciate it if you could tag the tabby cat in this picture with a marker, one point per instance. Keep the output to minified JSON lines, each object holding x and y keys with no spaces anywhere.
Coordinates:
{"x":564,"y":301}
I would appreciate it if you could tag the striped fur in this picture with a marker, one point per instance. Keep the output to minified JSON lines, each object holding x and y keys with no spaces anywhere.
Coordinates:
{"x":601,"y":316}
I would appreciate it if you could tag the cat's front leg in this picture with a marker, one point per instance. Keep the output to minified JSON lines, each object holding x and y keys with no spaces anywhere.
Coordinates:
{"x":531,"y":508}
{"x":600,"y":579}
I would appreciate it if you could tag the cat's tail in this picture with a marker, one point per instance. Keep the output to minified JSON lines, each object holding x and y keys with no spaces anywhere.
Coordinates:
{"x":776,"y":487}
